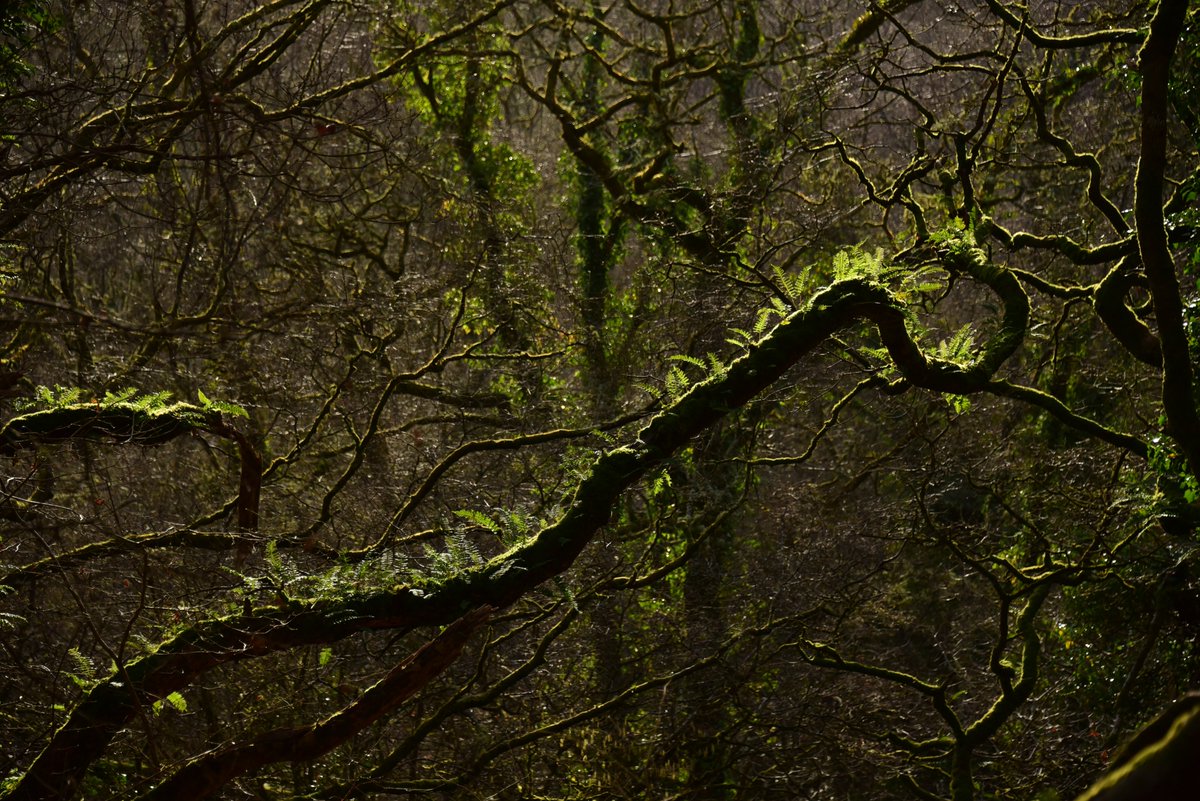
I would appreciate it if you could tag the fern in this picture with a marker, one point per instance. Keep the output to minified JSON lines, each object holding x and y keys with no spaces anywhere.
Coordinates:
{"x":716,"y":367}
{"x":956,"y":235}
{"x":567,"y":594}
{"x":793,"y":285}
{"x":519,"y":526}
{"x":740,"y":338}
{"x":460,"y":556}
{"x":222,"y":407}
{"x":152,"y":401}
{"x":959,"y":347}
{"x":765,"y":315}
{"x":479,"y":519}
{"x":462,"y":551}
{"x":677,"y":382}
{"x":121,"y":396}
{"x":924,"y":280}
{"x":284,"y":577}
{"x":57,"y":398}
{"x":841,"y":266}
{"x":654,"y":392}
{"x":855,"y":262}
{"x":692,"y":360}
{"x":84,"y":673}
{"x":174,"y":700}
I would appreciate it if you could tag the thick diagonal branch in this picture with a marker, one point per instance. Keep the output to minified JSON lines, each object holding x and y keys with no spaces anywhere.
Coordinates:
{"x":84,"y":737}
{"x":203,"y":776}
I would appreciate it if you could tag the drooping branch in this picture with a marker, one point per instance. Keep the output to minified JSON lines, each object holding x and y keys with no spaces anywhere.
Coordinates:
{"x":138,"y":424}
{"x":119,"y":422}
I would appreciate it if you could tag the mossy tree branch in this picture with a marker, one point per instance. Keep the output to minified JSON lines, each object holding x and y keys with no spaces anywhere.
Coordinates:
{"x":206,"y":774}
{"x":111,"y":704}
{"x":135,"y":424}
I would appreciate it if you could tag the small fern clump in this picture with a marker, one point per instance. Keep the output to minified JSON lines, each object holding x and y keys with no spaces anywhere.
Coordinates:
{"x":59,"y":397}
{"x":460,"y":556}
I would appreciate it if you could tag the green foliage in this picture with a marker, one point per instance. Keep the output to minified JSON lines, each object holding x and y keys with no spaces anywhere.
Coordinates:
{"x":768,"y":314}
{"x":151,"y":402}
{"x":459,"y":556}
{"x":955,"y":236}
{"x":741,"y":338}
{"x":57,"y":397}
{"x":172,"y":700}
{"x":795,"y":286}
{"x":510,"y":527}
{"x":20,"y":20}
{"x":461,"y":96}
{"x":123,"y":396}
{"x":857,"y":263}
{"x":958,"y":348}
{"x":710,"y":367}
{"x":84,"y":674}
{"x":284,"y":578}
{"x":1171,"y":467}
{"x":222,"y":407}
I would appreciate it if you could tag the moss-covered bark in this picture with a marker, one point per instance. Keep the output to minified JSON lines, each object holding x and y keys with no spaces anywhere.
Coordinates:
{"x":119,"y":422}
{"x":111,"y":704}
{"x":206,"y":774}
{"x":1159,"y":762}
{"x":134,"y":424}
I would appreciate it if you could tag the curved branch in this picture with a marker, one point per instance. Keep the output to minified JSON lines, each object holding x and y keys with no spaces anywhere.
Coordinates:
{"x":131,"y":423}
{"x":1110,"y":36}
{"x":1122,"y":322}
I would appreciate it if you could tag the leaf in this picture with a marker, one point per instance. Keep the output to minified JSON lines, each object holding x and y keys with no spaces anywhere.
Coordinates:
{"x":740,"y":338}
{"x":478,"y":518}
{"x":231,"y":409}
{"x":677,"y":382}
{"x":841,"y":265}
{"x":121,"y":396}
{"x":152,"y":401}
{"x":716,"y":367}
{"x":176,"y":700}
{"x":204,"y":401}
{"x":683,"y":357}
{"x":325,"y":656}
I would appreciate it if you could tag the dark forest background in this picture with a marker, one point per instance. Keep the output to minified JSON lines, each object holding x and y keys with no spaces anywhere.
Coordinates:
{"x":594,"y":399}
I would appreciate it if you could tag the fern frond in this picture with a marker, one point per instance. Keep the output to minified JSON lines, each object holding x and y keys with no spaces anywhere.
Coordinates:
{"x":716,"y":367}
{"x":677,"y":382}
{"x":121,"y":396}
{"x":692,"y":360}
{"x":478,"y":518}
{"x":152,"y":401}
{"x":740,"y":338}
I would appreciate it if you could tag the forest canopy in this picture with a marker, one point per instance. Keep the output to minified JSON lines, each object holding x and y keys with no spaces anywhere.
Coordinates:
{"x":598,"y":399}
